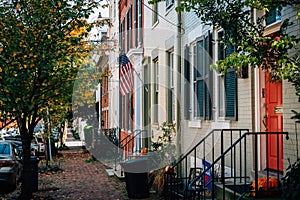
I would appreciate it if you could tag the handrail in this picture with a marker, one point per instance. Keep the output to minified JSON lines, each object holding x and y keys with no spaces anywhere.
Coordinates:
{"x":208,"y":146}
{"x":203,"y":140}
{"x":134,"y":136}
{"x":129,"y":136}
{"x":228,"y":150}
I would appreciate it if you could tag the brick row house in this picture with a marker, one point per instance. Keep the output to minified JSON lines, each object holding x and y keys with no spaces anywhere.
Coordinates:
{"x":171,"y":54}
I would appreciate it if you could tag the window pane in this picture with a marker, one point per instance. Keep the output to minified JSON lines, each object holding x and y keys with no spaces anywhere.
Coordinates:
{"x":171,"y":100}
{"x":273,"y":16}
{"x":155,"y":91}
{"x":4,"y":149}
{"x":200,"y":58}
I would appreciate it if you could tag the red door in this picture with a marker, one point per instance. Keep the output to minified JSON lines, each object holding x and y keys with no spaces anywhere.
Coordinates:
{"x":273,"y":120}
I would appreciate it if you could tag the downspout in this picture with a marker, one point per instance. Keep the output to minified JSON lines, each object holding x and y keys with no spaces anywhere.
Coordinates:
{"x":178,"y":81}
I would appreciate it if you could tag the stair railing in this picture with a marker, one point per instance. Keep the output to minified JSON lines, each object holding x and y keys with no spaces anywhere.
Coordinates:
{"x":210,"y":145}
{"x":241,"y":173}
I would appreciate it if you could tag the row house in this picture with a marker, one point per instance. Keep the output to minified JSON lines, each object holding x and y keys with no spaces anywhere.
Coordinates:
{"x":127,"y":33}
{"x":171,"y":54}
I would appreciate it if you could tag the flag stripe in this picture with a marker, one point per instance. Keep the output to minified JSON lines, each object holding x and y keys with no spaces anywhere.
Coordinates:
{"x":126,"y":75}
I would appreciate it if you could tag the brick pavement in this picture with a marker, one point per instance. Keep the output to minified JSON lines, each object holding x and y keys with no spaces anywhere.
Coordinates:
{"x":79,"y":179}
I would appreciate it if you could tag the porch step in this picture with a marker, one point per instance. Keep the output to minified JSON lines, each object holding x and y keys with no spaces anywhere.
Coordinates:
{"x":241,"y":193}
{"x":229,"y":193}
{"x":272,"y":173}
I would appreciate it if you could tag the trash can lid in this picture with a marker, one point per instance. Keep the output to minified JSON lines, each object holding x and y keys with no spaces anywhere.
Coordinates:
{"x":135,"y":166}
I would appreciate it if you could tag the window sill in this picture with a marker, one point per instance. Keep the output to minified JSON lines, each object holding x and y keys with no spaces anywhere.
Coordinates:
{"x":222,"y":124}
{"x":195,"y":124}
{"x":272,"y":28}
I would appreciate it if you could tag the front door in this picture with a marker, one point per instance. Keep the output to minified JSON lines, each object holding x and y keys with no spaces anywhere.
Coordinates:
{"x":273,"y":123}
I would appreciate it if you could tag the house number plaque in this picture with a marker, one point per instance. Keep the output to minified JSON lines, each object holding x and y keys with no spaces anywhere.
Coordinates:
{"x":278,"y":110}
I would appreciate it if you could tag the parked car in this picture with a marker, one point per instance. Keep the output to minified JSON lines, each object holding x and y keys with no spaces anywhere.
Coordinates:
{"x":17,"y":140}
{"x":10,"y":165}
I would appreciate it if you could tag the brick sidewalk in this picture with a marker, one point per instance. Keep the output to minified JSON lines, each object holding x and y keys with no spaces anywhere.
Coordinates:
{"x":79,"y":180}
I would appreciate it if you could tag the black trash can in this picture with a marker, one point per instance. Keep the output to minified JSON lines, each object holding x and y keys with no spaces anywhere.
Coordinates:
{"x":35,"y":173}
{"x":136,"y":177}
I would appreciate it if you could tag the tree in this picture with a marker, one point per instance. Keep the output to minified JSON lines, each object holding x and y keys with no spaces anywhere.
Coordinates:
{"x":41,"y":50}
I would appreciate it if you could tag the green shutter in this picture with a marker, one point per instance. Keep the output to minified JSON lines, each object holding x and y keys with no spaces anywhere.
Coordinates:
{"x":208,"y":76}
{"x":231,"y":95}
{"x":200,"y":98}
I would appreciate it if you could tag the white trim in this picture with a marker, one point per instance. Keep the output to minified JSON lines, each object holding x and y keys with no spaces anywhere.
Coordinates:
{"x":195,"y":124}
{"x":221,"y":125}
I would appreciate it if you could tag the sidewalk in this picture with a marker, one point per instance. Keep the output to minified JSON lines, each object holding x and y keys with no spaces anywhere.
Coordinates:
{"x":78,"y":179}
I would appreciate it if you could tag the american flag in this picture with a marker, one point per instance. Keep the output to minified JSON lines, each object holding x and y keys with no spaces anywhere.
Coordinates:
{"x":126,"y":75}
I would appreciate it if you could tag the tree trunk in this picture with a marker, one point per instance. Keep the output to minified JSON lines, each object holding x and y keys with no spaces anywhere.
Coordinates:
{"x":26,"y":190}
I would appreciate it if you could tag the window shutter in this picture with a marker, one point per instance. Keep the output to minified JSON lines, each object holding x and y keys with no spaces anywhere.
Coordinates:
{"x":200,"y":97}
{"x":231,"y":95}
{"x":208,"y":76}
{"x":200,"y":79}
{"x":187,"y":82}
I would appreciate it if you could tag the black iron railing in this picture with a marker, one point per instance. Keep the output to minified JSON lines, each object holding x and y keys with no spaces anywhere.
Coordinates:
{"x":111,"y":134}
{"x":127,"y":144}
{"x":244,"y":169}
{"x":204,"y":152}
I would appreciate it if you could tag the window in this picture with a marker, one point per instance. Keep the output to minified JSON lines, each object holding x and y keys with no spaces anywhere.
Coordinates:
{"x":273,"y":15}
{"x":156,"y":86}
{"x":169,"y":3}
{"x":171,"y":98}
{"x":227,"y":85}
{"x":155,"y":14}
{"x":202,"y":78}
